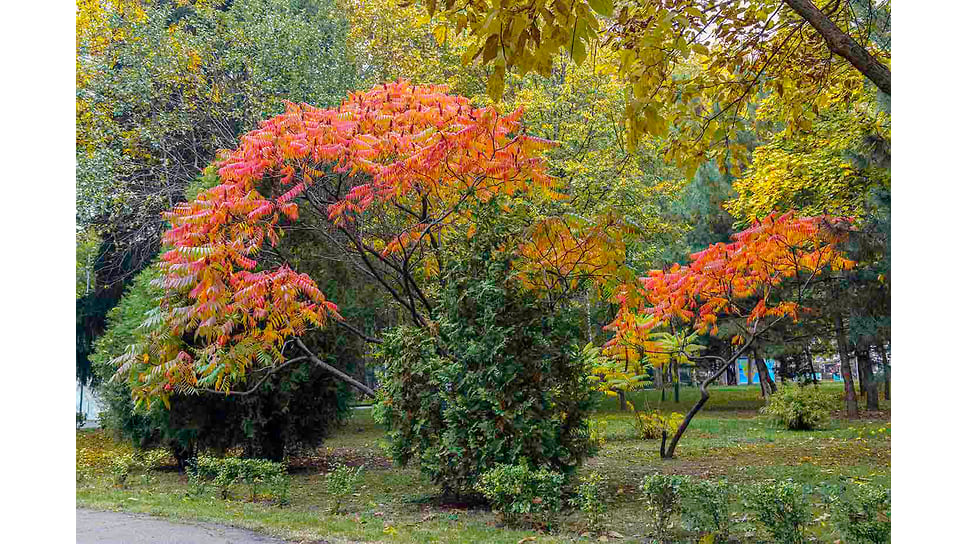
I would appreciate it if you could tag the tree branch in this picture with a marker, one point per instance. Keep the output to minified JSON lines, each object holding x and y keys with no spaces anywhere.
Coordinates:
{"x":335,"y":371}
{"x":256,"y":386}
{"x":358,"y":332}
{"x":843,"y":45}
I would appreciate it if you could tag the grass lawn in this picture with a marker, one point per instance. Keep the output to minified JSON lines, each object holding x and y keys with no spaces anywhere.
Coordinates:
{"x":728,"y":439}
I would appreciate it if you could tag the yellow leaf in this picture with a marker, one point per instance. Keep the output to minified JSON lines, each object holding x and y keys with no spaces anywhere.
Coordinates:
{"x":440,"y":34}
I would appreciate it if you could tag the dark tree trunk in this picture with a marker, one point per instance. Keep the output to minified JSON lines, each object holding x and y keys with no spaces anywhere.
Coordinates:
{"x":770,"y":385}
{"x":887,"y":371}
{"x":849,"y":394}
{"x":704,"y":396}
{"x":731,"y":377}
{"x":866,"y":369}
{"x":841,"y":44}
{"x":767,"y":386}
{"x":675,"y":381}
{"x":621,"y":400}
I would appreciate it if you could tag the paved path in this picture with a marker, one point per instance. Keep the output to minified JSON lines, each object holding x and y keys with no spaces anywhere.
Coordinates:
{"x":95,"y":527}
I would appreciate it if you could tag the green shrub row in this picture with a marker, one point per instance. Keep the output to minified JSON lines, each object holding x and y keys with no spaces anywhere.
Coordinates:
{"x":860,"y":513}
{"x":533,"y":497}
{"x":224,"y":473}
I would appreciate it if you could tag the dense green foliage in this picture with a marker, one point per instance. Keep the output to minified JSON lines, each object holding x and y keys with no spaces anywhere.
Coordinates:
{"x":521,"y":494}
{"x":782,"y":507}
{"x":801,"y":407}
{"x":296,"y":407}
{"x":226,"y":472}
{"x":498,"y":384}
{"x":705,"y":506}
{"x":862,"y":513}
{"x":161,"y":87}
{"x":663,"y":500}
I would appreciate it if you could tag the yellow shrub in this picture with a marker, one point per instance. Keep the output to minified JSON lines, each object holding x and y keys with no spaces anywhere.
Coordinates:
{"x":649,"y":425}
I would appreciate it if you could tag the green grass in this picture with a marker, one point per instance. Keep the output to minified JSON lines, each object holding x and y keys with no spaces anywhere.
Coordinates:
{"x":399,"y":505}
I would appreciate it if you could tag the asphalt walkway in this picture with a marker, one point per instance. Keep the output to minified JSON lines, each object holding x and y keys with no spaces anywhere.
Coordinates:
{"x":94,"y":527}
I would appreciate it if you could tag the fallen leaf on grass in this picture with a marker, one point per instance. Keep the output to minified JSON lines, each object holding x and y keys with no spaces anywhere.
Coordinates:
{"x":527,"y":539}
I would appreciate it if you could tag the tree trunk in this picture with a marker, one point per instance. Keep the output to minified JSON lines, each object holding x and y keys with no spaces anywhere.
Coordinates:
{"x":849,"y":394}
{"x":659,"y":382}
{"x":704,"y":396}
{"x":887,"y":371}
{"x":866,"y":368}
{"x":841,"y":44}
{"x":813,"y":371}
{"x":767,"y":387}
{"x":675,"y":381}
{"x":621,"y":400}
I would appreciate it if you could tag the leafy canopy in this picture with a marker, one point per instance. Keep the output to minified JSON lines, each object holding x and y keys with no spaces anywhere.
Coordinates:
{"x":693,"y":67}
{"x":411,"y":153}
{"x":741,"y":279}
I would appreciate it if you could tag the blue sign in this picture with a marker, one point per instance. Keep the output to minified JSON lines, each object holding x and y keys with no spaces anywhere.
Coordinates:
{"x":743,"y":370}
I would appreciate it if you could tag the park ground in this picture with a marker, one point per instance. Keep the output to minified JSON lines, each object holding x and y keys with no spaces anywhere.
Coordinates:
{"x":728,"y":439}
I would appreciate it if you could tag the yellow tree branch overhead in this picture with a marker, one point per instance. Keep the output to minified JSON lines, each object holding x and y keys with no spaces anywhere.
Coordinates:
{"x":694,"y":68}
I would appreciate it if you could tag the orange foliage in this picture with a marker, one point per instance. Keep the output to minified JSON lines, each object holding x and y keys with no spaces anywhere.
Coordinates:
{"x":739,"y":279}
{"x":559,"y":251}
{"x":405,"y":147}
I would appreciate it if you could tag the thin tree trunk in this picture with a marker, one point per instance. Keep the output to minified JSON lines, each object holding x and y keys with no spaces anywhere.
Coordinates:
{"x":841,"y":44}
{"x":813,"y":370}
{"x":867,"y":371}
{"x":675,"y":381}
{"x":665,"y":453}
{"x":767,"y":386}
{"x":887,"y":371}
{"x":849,"y":394}
{"x":621,"y":400}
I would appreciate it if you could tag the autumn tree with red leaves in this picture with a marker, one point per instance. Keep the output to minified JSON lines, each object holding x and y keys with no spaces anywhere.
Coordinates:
{"x":391,"y":177}
{"x":740,"y":282}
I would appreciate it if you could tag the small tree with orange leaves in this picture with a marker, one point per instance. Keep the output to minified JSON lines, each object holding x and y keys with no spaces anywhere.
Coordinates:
{"x":740,"y":281}
{"x":391,"y":177}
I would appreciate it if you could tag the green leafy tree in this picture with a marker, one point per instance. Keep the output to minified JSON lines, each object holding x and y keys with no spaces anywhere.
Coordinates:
{"x":694,"y":67}
{"x":161,"y":86}
{"x":496,"y":384}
